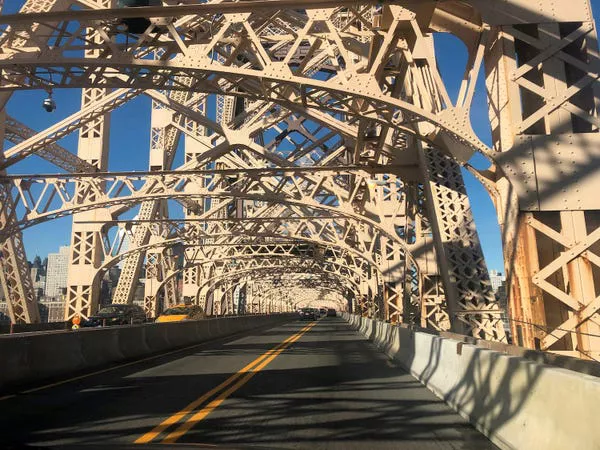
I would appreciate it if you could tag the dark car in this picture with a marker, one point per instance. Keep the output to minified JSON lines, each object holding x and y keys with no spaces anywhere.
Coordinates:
{"x":323,"y":311}
{"x":116,"y":315}
{"x":308,"y":314}
{"x":331,"y":312}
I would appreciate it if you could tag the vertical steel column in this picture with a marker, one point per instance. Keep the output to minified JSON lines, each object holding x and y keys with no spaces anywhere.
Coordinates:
{"x":172,"y":294}
{"x":544,"y":115}
{"x":205,"y":299}
{"x":15,"y":276}
{"x":86,"y":251}
{"x":472,"y":306}
{"x":193,"y":149}
{"x":164,"y":138}
{"x":162,"y":134}
{"x":432,"y":307}
{"x":159,"y":295}
{"x":14,"y":269}
{"x":191,"y":282}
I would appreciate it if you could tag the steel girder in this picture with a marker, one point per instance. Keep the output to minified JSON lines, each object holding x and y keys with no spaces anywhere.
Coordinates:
{"x":390,"y":37}
{"x":225,"y":232}
{"x":355,"y":232}
{"x":15,"y":277}
{"x":385,"y":93}
{"x":390,"y":215}
{"x":302,"y":296}
{"x":14,"y":269}
{"x":83,"y":287}
{"x":17,"y":132}
{"x":210,"y":250}
{"x":277,"y":266}
{"x":547,"y":126}
{"x":253,"y":257}
{"x":212,"y":268}
{"x":232,"y":245}
{"x":39,"y":198}
{"x":274,"y":272}
{"x":268,"y":67}
{"x":164,"y":138}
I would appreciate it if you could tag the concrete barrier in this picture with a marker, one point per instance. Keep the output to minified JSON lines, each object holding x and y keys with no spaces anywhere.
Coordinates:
{"x":180,"y":334}
{"x":516,"y":402}
{"x":202,"y":331}
{"x":14,"y":359}
{"x":7,"y":328}
{"x":213,"y":327}
{"x":99,"y":347}
{"x":52,"y":354}
{"x":31,"y":357}
{"x":133,"y":342}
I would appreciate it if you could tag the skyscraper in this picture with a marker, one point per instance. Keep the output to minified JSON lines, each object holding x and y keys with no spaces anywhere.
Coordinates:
{"x":56,"y":274}
{"x":125,"y":238}
{"x":497,"y":280}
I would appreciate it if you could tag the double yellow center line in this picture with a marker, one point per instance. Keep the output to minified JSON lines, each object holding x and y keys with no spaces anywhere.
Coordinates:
{"x":226,"y":388}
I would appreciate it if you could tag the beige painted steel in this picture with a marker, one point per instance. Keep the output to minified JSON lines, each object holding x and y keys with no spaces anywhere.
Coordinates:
{"x":378,"y":179}
{"x":15,"y":277}
{"x":85,"y":252}
{"x":544,"y":114}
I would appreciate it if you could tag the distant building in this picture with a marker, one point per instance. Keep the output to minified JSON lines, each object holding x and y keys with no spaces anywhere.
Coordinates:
{"x":38,"y":278}
{"x":140,"y":293}
{"x":39,"y":265}
{"x":56,"y":273}
{"x":4,"y":317}
{"x":52,"y":311}
{"x":108,"y":284}
{"x":138,"y":296}
{"x":114,"y":273}
{"x":125,"y":242}
{"x":497,"y":280}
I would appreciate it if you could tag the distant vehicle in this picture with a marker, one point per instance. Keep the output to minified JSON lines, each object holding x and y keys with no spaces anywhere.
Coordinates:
{"x":308,"y":314}
{"x":116,"y":315}
{"x":323,"y":311}
{"x":179,"y":313}
{"x":331,"y":312}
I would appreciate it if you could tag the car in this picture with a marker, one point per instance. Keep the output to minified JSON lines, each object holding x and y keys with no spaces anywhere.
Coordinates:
{"x":323,"y":311}
{"x":331,"y":312}
{"x":116,"y":314}
{"x":308,"y":314}
{"x":179,"y":313}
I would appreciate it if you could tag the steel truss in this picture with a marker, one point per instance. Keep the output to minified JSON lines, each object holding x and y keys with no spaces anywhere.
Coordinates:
{"x":334,"y":159}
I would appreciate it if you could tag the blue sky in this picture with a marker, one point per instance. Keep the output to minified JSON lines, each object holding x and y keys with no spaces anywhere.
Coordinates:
{"x":130,"y":136}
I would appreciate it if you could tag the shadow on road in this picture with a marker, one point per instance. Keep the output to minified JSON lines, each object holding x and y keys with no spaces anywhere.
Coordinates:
{"x":331,"y":389}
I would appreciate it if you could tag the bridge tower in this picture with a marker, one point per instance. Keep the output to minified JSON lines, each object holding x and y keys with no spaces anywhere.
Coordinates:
{"x":543,"y":89}
{"x":326,"y":127}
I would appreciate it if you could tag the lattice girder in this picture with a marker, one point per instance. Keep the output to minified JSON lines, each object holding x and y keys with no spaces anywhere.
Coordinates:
{"x":271,"y":76}
{"x":372,"y":82}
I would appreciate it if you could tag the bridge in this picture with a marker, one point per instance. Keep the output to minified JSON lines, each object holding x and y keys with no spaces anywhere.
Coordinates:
{"x":304,"y":154}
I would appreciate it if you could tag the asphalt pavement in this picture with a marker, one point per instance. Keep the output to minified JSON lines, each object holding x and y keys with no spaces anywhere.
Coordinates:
{"x":317,"y":385}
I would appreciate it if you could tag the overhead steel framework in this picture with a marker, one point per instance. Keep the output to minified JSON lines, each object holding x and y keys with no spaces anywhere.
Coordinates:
{"x":330,"y":166}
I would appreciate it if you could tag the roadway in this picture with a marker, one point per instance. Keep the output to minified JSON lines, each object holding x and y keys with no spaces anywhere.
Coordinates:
{"x":298,"y":385}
